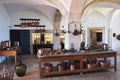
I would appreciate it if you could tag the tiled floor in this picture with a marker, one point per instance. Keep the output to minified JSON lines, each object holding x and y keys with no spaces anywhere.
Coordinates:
{"x":32,"y":73}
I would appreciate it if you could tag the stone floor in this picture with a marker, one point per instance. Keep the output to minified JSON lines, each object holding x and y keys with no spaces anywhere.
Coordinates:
{"x":32,"y":73}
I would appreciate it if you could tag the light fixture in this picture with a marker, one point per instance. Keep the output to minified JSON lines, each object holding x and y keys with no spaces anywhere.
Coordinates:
{"x":64,"y":31}
{"x":56,"y":33}
{"x":76,"y":31}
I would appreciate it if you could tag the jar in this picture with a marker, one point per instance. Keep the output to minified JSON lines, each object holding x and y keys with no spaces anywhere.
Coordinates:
{"x":20,"y":69}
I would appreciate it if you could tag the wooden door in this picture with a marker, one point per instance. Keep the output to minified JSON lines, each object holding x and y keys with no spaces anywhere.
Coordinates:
{"x":23,"y":36}
{"x":25,"y":41}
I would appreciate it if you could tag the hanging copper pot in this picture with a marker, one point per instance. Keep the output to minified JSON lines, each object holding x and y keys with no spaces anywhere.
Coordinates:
{"x":80,"y":32}
{"x":56,"y":34}
{"x":118,"y":37}
{"x":76,"y":32}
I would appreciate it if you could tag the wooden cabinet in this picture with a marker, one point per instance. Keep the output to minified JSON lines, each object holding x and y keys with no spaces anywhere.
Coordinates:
{"x":79,"y":57}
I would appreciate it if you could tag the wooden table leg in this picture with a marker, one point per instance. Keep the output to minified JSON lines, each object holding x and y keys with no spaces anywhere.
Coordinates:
{"x":15,"y":60}
{"x":81,"y":66}
{"x":115,"y":62}
{"x":6,"y":61}
{"x":40,"y":69}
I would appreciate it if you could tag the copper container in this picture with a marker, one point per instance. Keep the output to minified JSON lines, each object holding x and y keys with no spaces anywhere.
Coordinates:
{"x":60,"y":67}
{"x":48,"y":67}
{"x":3,"y":45}
{"x":77,"y":65}
{"x":91,"y":66}
{"x":72,"y":67}
{"x":104,"y":64}
{"x":16,"y":44}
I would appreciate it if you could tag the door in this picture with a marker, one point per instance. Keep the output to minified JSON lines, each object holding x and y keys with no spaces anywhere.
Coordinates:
{"x":23,"y":36}
{"x":95,"y":37}
{"x":25,"y":41}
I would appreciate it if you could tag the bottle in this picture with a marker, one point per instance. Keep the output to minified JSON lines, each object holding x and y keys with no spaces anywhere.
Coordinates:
{"x":20,"y":69}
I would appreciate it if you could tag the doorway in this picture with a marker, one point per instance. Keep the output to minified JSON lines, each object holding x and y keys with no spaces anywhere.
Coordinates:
{"x":95,"y":37}
{"x":23,"y":37}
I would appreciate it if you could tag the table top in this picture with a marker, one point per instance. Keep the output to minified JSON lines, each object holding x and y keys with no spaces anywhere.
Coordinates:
{"x":7,"y":52}
{"x":78,"y":53}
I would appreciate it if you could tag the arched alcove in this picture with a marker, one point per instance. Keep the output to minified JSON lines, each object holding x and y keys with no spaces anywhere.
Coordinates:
{"x":95,"y":20}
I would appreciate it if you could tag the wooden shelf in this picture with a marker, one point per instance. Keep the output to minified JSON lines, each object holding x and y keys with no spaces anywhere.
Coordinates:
{"x":31,"y":26}
{"x":96,"y":69}
{"x":79,"y":57}
{"x":26,"y":22}
{"x":29,"y":19}
{"x":54,"y":73}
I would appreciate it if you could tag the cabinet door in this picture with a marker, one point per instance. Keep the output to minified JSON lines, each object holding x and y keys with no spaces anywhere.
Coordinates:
{"x":25,"y":41}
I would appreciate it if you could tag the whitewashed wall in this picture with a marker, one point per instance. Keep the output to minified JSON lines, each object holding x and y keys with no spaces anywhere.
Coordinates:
{"x":96,"y":20}
{"x":115,"y":27}
{"x":4,"y":26}
{"x":45,"y":14}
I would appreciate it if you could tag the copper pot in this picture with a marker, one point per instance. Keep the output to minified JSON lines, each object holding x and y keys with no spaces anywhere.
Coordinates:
{"x":60,"y":67}
{"x":72,"y":67}
{"x":48,"y":67}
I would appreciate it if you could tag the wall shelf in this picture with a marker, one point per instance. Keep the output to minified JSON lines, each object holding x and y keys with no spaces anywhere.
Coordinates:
{"x":26,"y":22}
{"x":30,"y":26}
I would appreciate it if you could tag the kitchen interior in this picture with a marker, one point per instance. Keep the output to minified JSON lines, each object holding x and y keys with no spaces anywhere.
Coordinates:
{"x":62,"y":43}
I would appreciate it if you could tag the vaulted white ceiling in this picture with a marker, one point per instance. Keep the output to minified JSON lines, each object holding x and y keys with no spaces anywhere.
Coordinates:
{"x":71,"y":9}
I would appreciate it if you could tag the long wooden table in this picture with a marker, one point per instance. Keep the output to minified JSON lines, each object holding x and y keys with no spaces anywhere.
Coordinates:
{"x":76,"y":56}
{"x":9,"y":53}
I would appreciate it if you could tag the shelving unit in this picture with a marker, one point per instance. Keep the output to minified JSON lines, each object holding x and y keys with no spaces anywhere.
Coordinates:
{"x":78,"y":56}
{"x":26,"y":22}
